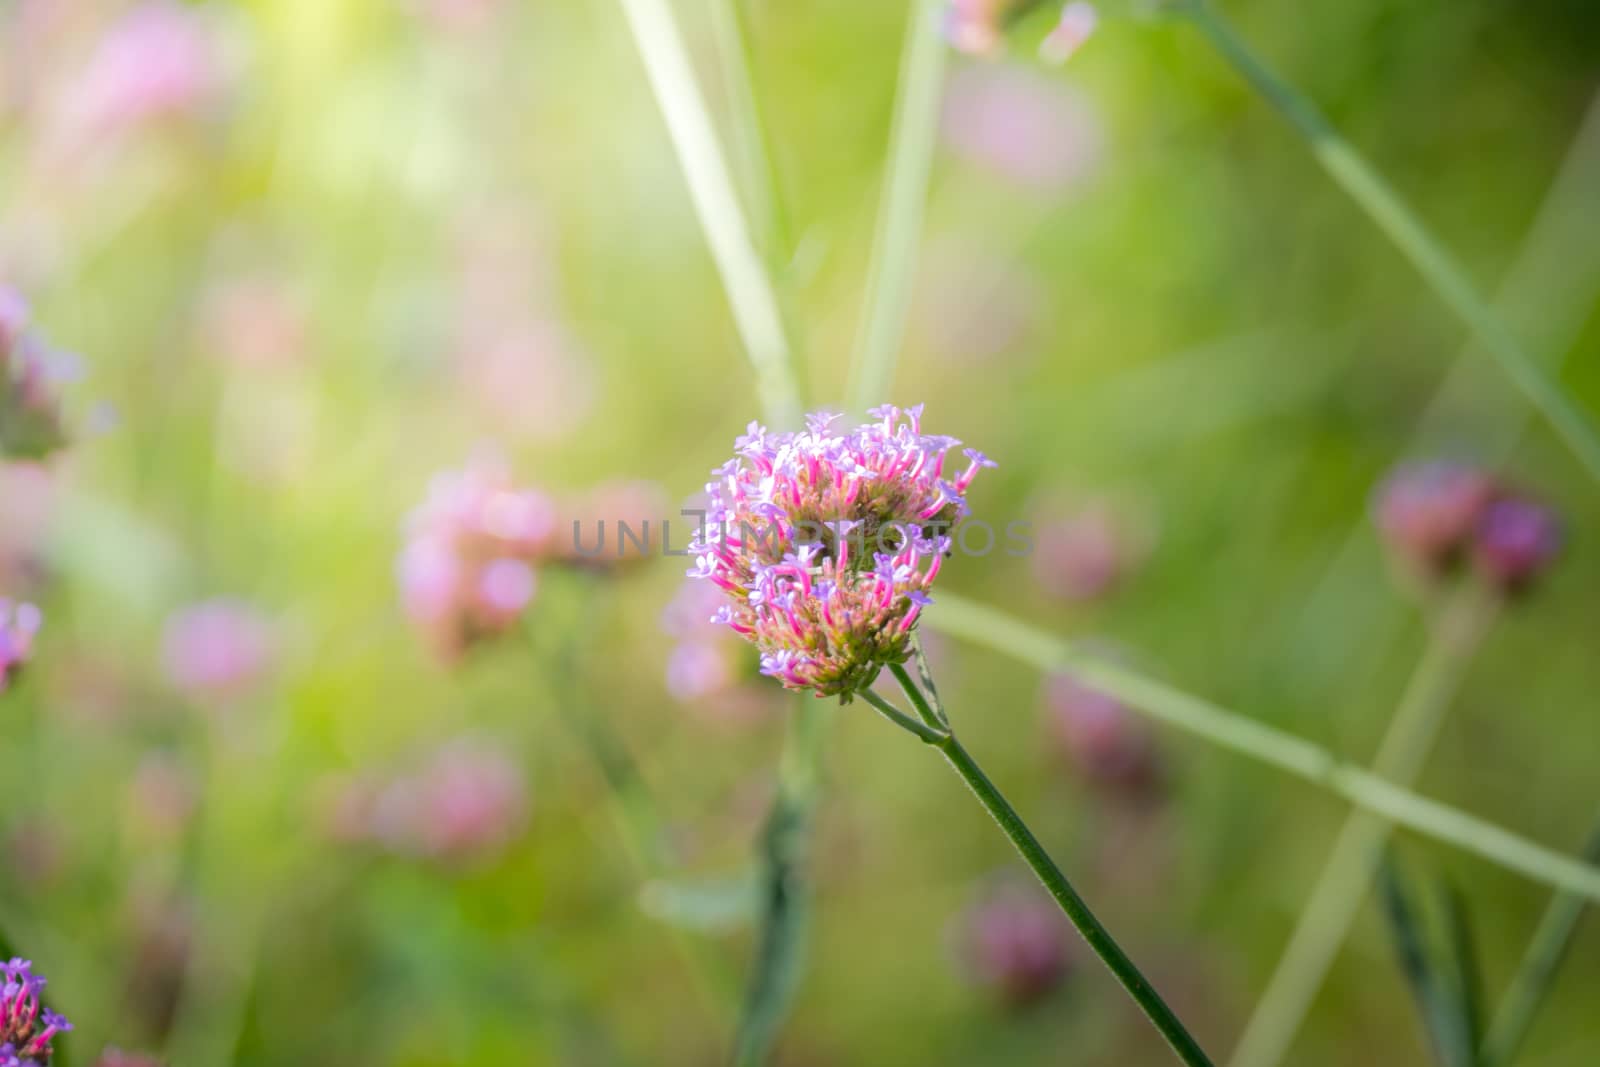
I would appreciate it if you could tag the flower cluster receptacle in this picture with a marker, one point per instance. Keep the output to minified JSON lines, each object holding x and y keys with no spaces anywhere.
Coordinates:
{"x":826,"y":543}
{"x":31,"y":425}
{"x":18,"y":625}
{"x":1435,"y":517}
{"x":27,"y":1027}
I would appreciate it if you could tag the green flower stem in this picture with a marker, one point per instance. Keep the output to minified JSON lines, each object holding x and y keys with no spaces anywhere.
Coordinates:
{"x":1009,"y":636}
{"x":1404,"y":228}
{"x":1033,"y":853}
{"x":1357,"y":854}
{"x":905,"y":191}
{"x":1537,"y":972}
{"x":711,"y":189}
{"x":932,"y":716}
{"x":785,"y":896}
{"x":929,"y":734}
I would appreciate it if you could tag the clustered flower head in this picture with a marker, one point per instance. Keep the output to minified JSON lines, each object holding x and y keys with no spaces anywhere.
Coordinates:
{"x":826,"y":543}
{"x":18,"y":625}
{"x":976,"y":27}
{"x":30,"y":413}
{"x":27,"y":1027}
{"x":467,"y":570}
{"x":1434,"y":516}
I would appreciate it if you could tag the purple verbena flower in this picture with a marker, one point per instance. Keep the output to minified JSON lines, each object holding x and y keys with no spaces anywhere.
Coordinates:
{"x":1516,"y":540}
{"x":27,"y":1027}
{"x":18,"y":625}
{"x":826,"y":543}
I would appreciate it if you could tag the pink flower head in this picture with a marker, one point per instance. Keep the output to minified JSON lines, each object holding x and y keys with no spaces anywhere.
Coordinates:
{"x":30,"y":413}
{"x":1013,"y":941}
{"x":467,"y":570}
{"x":977,"y":27}
{"x":1105,"y":741}
{"x":826,"y":543}
{"x":158,"y":61}
{"x":18,"y":625}
{"x":1023,"y":126}
{"x":1427,"y":513}
{"x":1516,"y":541}
{"x":218,"y":650}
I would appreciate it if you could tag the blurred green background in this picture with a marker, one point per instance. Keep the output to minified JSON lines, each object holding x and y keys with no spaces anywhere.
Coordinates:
{"x":370,"y":237}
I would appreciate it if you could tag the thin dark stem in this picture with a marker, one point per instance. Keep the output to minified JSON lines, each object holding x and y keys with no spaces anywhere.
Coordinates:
{"x":931,"y":735}
{"x":1099,"y":938}
{"x":929,"y":715}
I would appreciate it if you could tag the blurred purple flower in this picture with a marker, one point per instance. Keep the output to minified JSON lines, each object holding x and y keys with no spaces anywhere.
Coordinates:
{"x":1077,"y":23}
{"x":1428,"y":512}
{"x":218,"y":650}
{"x":1105,"y":741}
{"x":27,"y":1028}
{"x":1024,"y":126}
{"x":18,"y":625}
{"x":1013,"y":941}
{"x":30,"y":413}
{"x":1516,"y":540}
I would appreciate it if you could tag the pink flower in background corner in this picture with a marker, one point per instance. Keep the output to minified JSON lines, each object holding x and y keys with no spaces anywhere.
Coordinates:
{"x":1014,"y":942}
{"x":159,"y":60}
{"x":1105,"y":741}
{"x":18,"y":625}
{"x":218,"y":650}
{"x":467,"y":569}
{"x":1024,"y":126}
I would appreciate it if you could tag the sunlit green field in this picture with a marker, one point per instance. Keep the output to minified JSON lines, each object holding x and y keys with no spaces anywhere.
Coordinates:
{"x":280,"y":789}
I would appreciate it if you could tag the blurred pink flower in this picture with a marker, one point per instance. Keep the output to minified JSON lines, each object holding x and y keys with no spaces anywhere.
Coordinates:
{"x":158,"y":61}
{"x":18,"y":625}
{"x":528,"y":378}
{"x":1077,"y":22}
{"x":1024,"y":126}
{"x":1516,"y":540}
{"x":460,"y":15}
{"x":467,"y":568}
{"x":1013,"y":941}
{"x":218,"y":650}
{"x":976,"y":26}
{"x":1427,"y":513}
{"x":254,"y":322}
{"x":162,"y":797}
{"x":1084,"y":554}
{"x":27,"y":500}
{"x":1105,"y":741}
{"x":464,"y":806}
